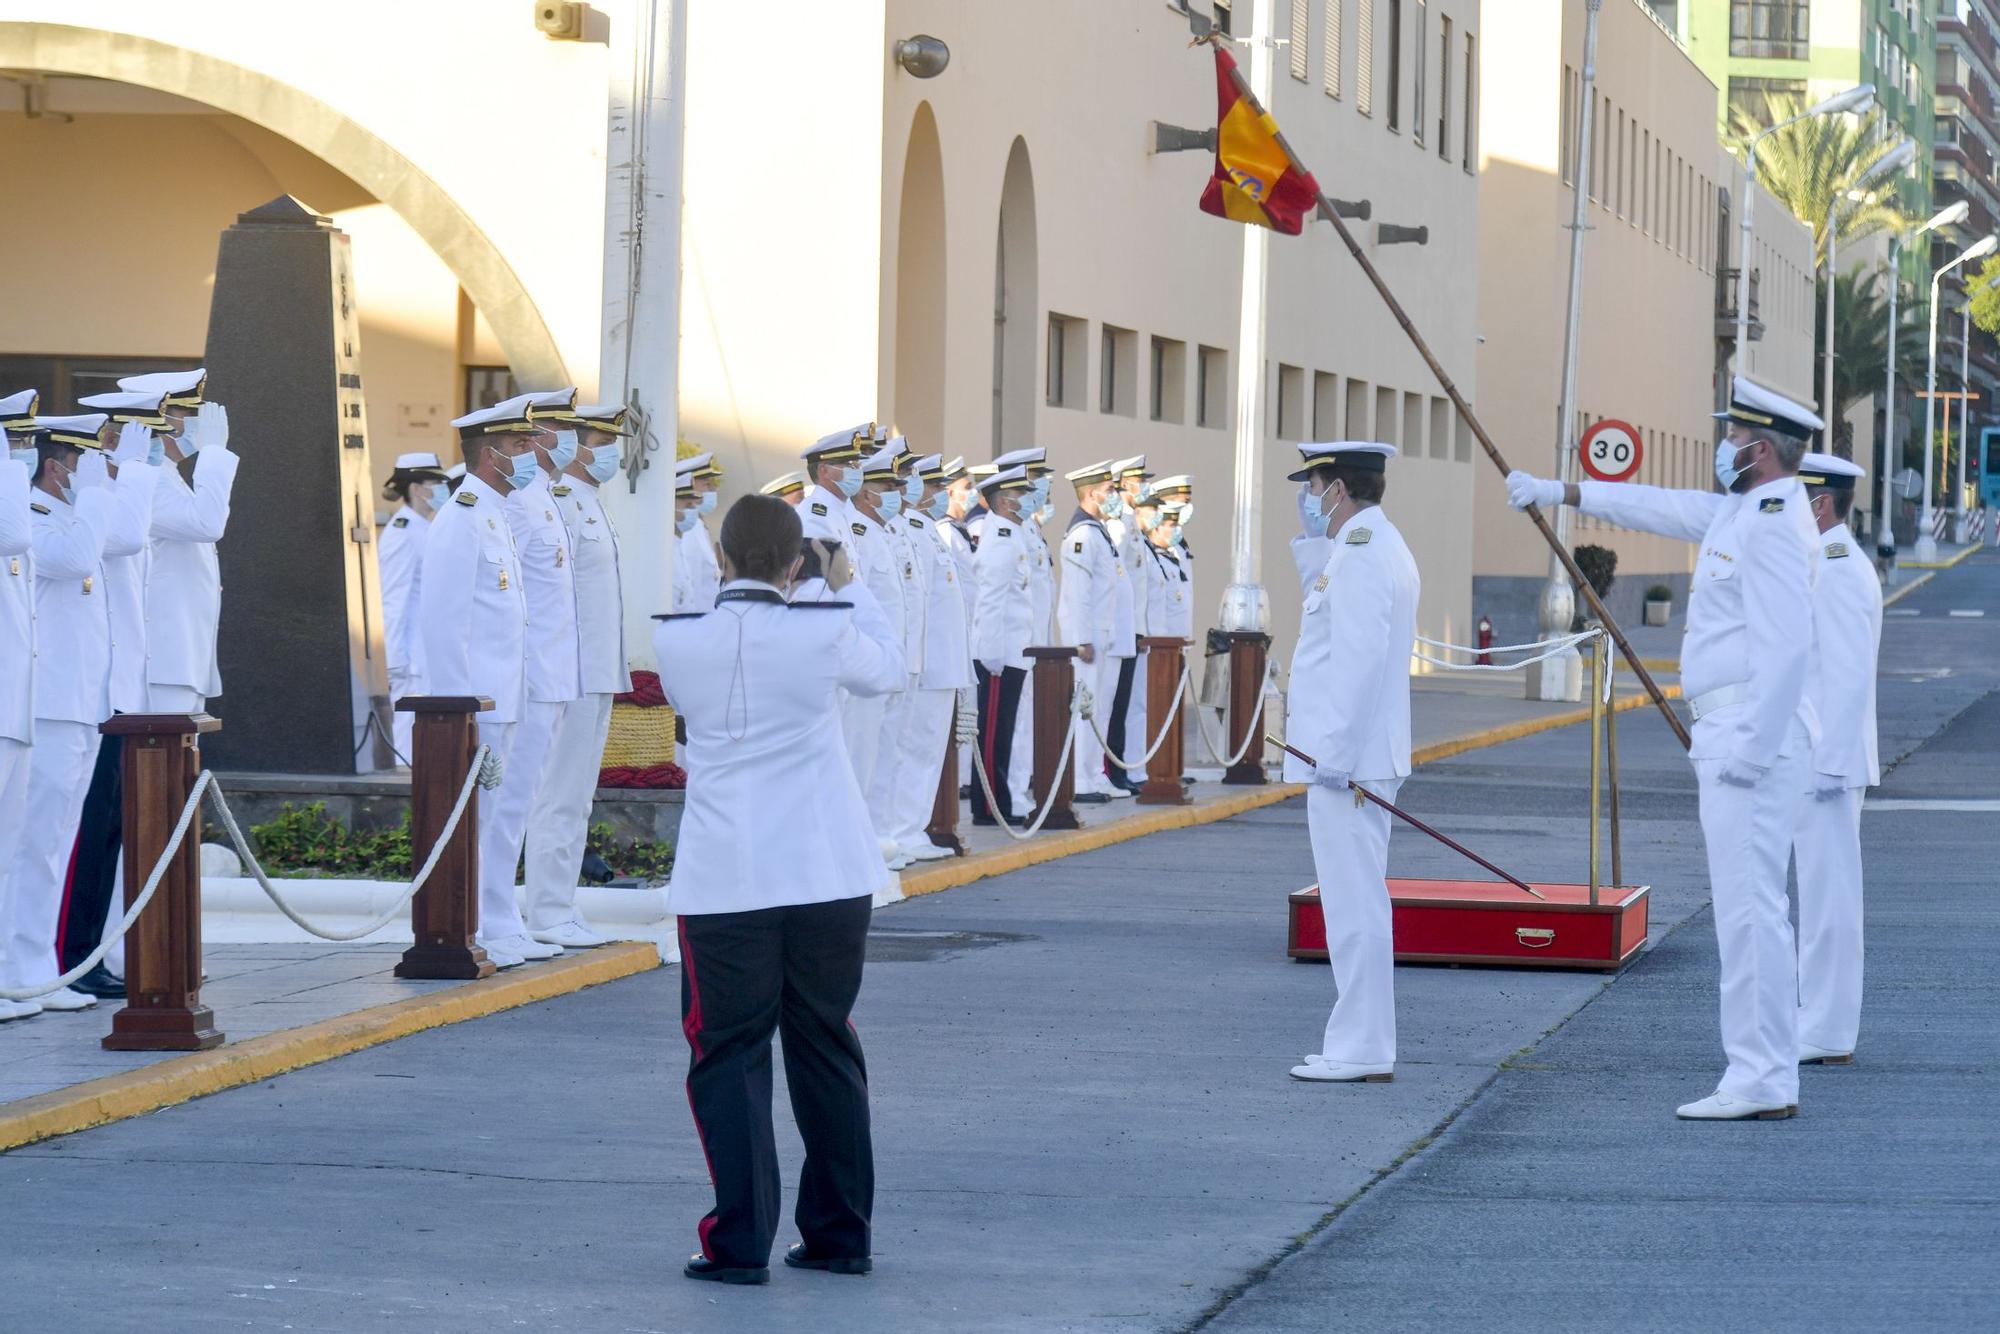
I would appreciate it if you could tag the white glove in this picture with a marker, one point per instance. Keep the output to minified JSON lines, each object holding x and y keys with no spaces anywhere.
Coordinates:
{"x":1827,"y":787}
{"x":1337,"y":779}
{"x":490,"y":770}
{"x":1086,"y":703}
{"x":211,"y":427}
{"x":1739,"y":772}
{"x":992,"y":665}
{"x":1525,"y":489}
{"x":91,"y":470}
{"x":135,"y":445}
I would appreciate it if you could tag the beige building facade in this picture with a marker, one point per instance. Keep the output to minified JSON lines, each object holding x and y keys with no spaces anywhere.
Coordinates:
{"x":1660,"y":220}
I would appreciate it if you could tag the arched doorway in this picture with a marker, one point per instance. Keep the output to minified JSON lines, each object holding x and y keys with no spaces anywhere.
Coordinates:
{"x":1016,"y":309}
{"x":351,"y":149}
{"x":920,"y":289}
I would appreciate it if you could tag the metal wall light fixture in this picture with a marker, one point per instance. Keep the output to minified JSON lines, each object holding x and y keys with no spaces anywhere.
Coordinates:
{"x":922,"y":56}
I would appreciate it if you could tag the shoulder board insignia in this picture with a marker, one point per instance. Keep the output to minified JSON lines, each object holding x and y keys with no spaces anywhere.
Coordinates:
{"x":860,"y":530}
{"x":915,"y":522}
{"x":559,"y":491}
{"x":680,"y":616}
{"x":464,"y":497}
{"x":1358,"y":537}
{"x":1077,"y":547}
{"x":1771,"y":505}
{"x":819,"y":509}
{"x":1835,"y":550}
{"x":38,"y":507}
{"x":808,"y":606}
{"x":400,"y":521}
{"x":1006,"y":532}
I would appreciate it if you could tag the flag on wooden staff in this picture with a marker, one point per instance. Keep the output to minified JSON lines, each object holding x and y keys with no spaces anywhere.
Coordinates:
{"x":1254,"y":178}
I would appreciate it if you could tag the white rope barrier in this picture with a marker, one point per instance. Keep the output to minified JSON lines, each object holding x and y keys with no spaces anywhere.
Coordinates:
{"x":1558,"y":641}
{"x":1173,"y":718}
{"x":1055,"y":786}
{"x":117,"y":933}
{"x":475,"y":776}
{"x":1251,"y":735}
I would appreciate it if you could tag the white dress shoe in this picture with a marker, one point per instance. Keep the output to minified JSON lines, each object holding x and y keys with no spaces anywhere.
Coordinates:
{"x":898,"y":862}
{"x":1811,"y":1055}
{"x":1320,"y":1070}
{"x":501,"y":957}
{"x":11,"y":1009}
{"x":527,"y":947}
{"x":571,"y":935}
{"x":1722,"y":1107}
{"x":924,"y":852}
{"x":68,"y":1000}
{"x":887,"y":847}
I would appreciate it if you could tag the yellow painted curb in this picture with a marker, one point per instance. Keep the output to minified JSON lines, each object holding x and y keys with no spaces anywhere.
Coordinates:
{"x":1897,"y":595}
{"x":181,"y":1078}
{"x":1966,"y":554}
{"x":999,"y":861}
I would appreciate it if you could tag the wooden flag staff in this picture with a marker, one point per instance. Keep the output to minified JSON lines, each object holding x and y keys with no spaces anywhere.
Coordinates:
{"x":1332,"y":215}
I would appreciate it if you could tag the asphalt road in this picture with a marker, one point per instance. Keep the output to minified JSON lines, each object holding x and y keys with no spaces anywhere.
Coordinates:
{"x":1083,"y":1119}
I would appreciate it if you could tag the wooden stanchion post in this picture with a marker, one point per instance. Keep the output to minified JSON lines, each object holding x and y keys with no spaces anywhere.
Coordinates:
{"x":163,"y":1009}
{"x":445,"y":913}
{"x":1246,"y":685}
{"x":1055,"y":682}
{"x":1163,"y":697}
{"x":943,"y":828}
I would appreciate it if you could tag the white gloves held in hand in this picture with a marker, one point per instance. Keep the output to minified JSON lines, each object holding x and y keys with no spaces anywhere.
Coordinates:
{"x":92,"y":470}
{"x":1525,"y":489}
{"x":1337,"y":779}
{"x":1827,"y":787}
{"x":135,"y":445}
{"x":1739,"y":772}
{"x":209,"y":428}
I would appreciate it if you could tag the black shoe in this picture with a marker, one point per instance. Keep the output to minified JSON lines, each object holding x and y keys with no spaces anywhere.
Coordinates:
{"x":983,"y":822}
{"x":965,"y":793}
{"x":1122,"y":780}
{"x":797,"y":1258}
{"x":596,"y":870}
{"x":102,"y":983}
{"x":1186,"y":781}
{"x":1090,"y":798}
{"x":701,"y":1267}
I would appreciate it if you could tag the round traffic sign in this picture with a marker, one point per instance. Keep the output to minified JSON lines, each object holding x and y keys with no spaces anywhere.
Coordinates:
{"x":1610,"y":450}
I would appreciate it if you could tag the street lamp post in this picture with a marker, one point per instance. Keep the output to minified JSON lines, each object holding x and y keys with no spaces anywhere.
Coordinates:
{"x":1885,"y":528}
{"x":1926,"y":544}
{"x":1857,"y":99}
{"x":1964,"y":405}
{"x":1890,"y":162}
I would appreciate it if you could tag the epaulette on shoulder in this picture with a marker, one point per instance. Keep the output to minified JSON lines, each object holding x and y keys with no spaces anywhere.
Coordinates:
{"x":558,"y":490}
{"x":679,"y":615}
{"x":466,"y":498}
{"x":809,"y":606}
{"x":38,"y":507}
{"x":400,"y":521}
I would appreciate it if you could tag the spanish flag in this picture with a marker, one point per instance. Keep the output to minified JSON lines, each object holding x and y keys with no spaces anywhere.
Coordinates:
{"x":1254,"y":181}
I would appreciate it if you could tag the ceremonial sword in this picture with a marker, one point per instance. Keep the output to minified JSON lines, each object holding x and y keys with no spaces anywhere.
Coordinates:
{"x":1408,"y":818}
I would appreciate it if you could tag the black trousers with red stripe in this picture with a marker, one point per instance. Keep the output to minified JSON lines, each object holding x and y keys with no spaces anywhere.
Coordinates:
{"x":1121,"y":704}
{"x":93,"y":869}
{"x":999,"y":701}
{"x":795,"y":971}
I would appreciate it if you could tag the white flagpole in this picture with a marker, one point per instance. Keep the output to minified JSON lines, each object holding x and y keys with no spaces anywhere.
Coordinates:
{"x":1245,"y":604}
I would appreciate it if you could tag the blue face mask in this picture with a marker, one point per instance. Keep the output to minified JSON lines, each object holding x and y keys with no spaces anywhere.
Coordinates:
{"x":891,"y":503}
{"x":524,"y":469}
{"x":940,"y":506}
{"x":1726,"y":471}
{"x":1312,"y":509}
{"x":850,"y":481}
{"x":706,"y":504}
{"x":913,"y":489}
{"x":563,"y":453}
{"x":1114,"y":505}
{"x":1147,"y":522}
{"x":685,"y":520}
{"x":603,"y":465}
{"x":1187,"y":512}
{"x":1177,"y":537}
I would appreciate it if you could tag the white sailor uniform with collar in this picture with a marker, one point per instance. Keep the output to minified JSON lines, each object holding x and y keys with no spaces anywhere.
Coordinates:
{"x":1003,"y":628}
{"x":17,"y":677}
{"x":1348,"y":706}
{"x":865,"y":717}
{"x":893,"y":769}
{"x":1847,"y":634}
{"x":399,"y":557}
{"x":1087,"y":617}
{"x":945,"y":669}
{"x":1744,"y":666}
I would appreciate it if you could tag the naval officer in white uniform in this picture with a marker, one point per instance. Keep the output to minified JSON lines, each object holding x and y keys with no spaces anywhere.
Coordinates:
{"x":1847,"y":635}
{"x":1087,"y":615}
{"x":418,"y":487}
{"x":945,"y":664}
{"x":696,"y":574}
{"x":1349,"y":708}
{"x":473,"y":617}
{"x":17,"y":646}
{"x":1744,"y":665}
{"x":1002,"y":631}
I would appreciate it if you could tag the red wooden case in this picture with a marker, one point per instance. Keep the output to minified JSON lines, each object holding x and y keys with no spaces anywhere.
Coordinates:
{"x":1486,"y":921}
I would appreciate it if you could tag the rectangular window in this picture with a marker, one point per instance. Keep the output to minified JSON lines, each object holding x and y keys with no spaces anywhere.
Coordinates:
{"x":1461,"y":448}
{"x":1326,"y":407}
{"x":1386,"y":418}
{"x":1066,"y":361}
{"x":1566,"y":153}
{"x":1444,"y":87}
{"x":1618,"y":168}
{"x":1413,"y":424}
{"x":1330,"y":48}
{"x":1364,"y":58}
{"x":1440,"y":428}
{"x":1395,"y":65}
{"x":1291,"y":413}
{"x":1118,"y":372}
{"x":1211,"y":388}
{"x":1770,"y":29}
{"x":1418,"y":48}
{"x":1471,"y":106}
{"x":1169,"y":380}
{"x":1753,"y":96}
{"x":1643,"y":215}
{"x":1355,"y":425}
{"x":1301,"y":25}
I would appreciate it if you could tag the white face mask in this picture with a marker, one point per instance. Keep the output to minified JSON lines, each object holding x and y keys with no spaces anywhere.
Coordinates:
{"x":1313,"y":508}
{"x":1187,"y":511}
{"x":430,"y":496}
{"x":891,"y":503}
{"x":1727,"y":451}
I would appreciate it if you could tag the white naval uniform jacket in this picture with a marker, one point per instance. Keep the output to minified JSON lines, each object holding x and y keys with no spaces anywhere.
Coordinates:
{"x":1348,"y":705}
{"x":184,"y":597}
{"x":697,"y":574}
{"x":72,"y":613}
{"x":1847,"y":635}
{"x":1003,"y":626}
{"x":1129,"y":618}
{"x":600,"y":591}
{"x":777,"y":817}
{"x":1087,"y":612}
{"x":1750,"y":611}
{"x":914,"y":585}
{"x":129,"y":586}
{"x":876,"y":567}
{"x":1152,"y":585}
{"x":1180,"y":593}
{"x":541,"y":548}
{"x":1041,"y":586}
{"x":399,"y":558}
{"x":473,"y":615}
{"x":17,"y":605}
{"x":947,"y":655}
{"x":829,"y":516}
{"x":956,"y":540}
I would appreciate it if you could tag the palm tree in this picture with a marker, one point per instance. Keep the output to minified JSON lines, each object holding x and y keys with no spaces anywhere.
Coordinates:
{"x":1807,"y":165}
{"x":1860,"y":334}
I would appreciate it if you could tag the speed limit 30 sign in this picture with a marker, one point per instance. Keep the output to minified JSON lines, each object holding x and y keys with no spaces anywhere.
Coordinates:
{"x":1610,"y":451}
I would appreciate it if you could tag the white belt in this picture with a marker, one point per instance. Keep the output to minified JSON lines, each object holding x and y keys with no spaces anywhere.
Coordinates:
{"x":1719,"y":698}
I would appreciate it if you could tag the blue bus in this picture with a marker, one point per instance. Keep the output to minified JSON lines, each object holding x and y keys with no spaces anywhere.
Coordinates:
{"x":1989,"y":467}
